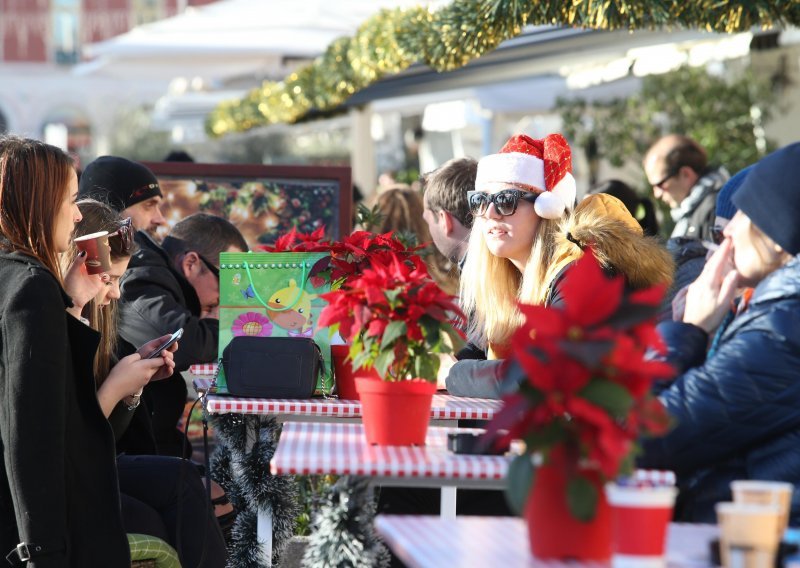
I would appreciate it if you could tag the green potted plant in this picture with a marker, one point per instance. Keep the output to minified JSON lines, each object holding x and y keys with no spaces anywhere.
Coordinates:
{"x":585,"y":376}
{"x":398,"y":321}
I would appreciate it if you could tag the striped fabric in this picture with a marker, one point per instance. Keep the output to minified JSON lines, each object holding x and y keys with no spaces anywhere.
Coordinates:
{"x":341,"y":449}
{"x":149,"y":548}
{"x":443,"y":407}
{"x":203,"y":369}
{"x":433,"y":542}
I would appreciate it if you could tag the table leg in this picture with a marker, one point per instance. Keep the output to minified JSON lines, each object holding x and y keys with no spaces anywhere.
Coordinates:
{"x":448,"y":504}
{"x":264,"y":523}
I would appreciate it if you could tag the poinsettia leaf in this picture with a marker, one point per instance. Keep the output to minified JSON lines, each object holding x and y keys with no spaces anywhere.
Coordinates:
{"x":456,"y":339}
{"x":431,"y":327}
{"x":610,"y":396}
{"x":383,"y":361}
{"x":631,"y":314}
{"x":545,"y":436}
{"x":582,"y":498}
{"x":426,"y":367}
{"x":394,"y":330}
{"x":519,"y":480}
{"x":590,"y":353}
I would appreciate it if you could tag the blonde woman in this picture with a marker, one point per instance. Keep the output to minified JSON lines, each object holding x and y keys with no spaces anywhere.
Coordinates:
{"x":523,"y":242}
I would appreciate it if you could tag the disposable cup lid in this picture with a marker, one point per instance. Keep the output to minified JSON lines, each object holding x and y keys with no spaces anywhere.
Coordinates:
{"x":635,"y":496}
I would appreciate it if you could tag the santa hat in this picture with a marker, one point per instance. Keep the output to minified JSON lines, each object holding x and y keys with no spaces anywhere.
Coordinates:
{"x":542,"y":166}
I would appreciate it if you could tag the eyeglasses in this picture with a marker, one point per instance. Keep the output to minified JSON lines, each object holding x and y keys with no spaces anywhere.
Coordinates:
{"x":505,"y":201}
{"x":669,"y":176}
{"x":125,"y":233}
{"x":211,"y":267}
{"x":717,"y":235}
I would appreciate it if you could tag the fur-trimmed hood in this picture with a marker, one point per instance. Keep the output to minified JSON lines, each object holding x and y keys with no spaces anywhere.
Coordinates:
{"x":618,"y":242}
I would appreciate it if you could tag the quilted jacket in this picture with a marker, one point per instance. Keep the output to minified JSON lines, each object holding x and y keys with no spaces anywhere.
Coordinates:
{"x":737,"y":413}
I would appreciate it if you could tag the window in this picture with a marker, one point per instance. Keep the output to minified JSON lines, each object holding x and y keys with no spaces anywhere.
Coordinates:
{"x":65,"y":31}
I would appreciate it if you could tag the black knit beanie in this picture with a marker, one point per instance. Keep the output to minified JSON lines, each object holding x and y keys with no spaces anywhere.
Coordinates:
{"x":770,"y":197}
{"x":118,"y":182}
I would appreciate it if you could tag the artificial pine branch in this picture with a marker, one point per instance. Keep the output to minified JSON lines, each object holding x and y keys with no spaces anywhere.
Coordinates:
{"x":462,"y":31}
{"x":343,"y":534}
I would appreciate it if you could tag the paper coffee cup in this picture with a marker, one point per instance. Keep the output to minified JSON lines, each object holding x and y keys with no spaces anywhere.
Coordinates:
{"x":749,"y":534}
{"x":98,"y":253}
{"x":640,"y":516}
{"x":757,"y":492}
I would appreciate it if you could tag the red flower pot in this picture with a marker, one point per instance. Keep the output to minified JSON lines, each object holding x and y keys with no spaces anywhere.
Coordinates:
{"x":395,"y":413}
{"x":554,"y":533}
{"x":344,"y":375}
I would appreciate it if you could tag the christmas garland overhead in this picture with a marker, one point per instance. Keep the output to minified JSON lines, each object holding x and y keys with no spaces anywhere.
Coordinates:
{"x":454,"y":35}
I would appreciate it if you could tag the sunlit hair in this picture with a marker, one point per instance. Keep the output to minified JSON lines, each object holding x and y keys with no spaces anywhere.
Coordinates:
{"x":34,"y":179}
{"x":402,"y":208}
{"x":101,"y":217}
{"x":491,"y":286}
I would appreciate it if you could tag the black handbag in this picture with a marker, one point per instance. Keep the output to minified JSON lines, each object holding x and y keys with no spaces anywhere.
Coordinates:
{"x":272,"y":367}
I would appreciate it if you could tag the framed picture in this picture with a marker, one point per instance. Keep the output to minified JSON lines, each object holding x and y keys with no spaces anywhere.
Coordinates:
{"x":262,"y":201}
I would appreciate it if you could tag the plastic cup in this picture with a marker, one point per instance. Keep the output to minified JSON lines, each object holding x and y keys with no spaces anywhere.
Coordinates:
{"x":749,"y":534}
{"x":640,"y":516}
{"x":765,"y":493}
{"x":98,"y":253}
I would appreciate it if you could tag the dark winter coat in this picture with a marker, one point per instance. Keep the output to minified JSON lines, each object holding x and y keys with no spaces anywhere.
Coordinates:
{"x":737,"y":412}
{"x":58,"y":477}
{"x":157,"y":300}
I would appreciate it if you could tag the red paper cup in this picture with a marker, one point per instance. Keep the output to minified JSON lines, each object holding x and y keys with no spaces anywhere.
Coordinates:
{"x":98,"y":253}
{"x":640,"y":516}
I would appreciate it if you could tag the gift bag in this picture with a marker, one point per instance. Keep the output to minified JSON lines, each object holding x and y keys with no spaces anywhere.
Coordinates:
{"x":274,"y":294}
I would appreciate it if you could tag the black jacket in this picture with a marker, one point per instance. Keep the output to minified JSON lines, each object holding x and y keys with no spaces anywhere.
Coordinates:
{"x":58,"y":478}
{"x":737,"y":412}
{"x":157,"y":300}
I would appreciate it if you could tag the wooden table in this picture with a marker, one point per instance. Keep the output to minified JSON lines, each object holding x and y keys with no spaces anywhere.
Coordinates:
{"x":434,"y":542}
{"x":342,"y":449}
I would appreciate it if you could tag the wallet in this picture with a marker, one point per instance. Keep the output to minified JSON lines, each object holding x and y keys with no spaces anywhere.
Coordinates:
{"x":272,"y":367}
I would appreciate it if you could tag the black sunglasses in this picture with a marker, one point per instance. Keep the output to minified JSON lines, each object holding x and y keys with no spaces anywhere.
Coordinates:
{"x":211,"y":267}
{"x":505,"y":201}
{"x":668,"y":177}
{"x":125,"y":233}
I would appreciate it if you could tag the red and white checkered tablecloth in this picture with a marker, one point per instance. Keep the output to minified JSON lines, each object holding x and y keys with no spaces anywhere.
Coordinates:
{"x":432,"y":542}
{"x":203,"y":369}
{"x":443,"y":407}
{"x":341,"y":449}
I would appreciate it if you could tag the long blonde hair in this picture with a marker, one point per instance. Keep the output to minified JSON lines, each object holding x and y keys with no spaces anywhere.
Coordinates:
{"x":492,"y":286}
{"x":100,"y":217}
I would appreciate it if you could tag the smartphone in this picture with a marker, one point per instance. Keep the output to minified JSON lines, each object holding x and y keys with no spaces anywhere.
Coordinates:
{"x":173,"y":338}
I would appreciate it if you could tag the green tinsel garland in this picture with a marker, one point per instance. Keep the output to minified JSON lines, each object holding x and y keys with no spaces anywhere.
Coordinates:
{"x":452,"y":36}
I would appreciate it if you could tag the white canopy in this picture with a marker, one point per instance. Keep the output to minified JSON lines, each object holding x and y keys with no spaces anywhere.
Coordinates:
{"x":233,"y":37}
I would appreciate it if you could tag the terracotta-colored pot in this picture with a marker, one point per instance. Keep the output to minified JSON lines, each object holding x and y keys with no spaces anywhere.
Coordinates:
{"x":554,"y":533}
{"x":344,"y":375}
{"x":395,"y":413}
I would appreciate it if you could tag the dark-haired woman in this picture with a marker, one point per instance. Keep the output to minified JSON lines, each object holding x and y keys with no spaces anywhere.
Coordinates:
{"x":59,"y":496}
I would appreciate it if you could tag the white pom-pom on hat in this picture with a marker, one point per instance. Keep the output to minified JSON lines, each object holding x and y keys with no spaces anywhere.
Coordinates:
{"x":549,"y":205}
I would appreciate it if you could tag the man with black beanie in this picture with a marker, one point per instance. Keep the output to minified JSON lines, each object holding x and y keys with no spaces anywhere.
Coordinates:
{"x":129,"y":187}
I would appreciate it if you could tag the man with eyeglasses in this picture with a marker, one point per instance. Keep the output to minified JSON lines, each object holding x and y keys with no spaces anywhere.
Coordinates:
{"x":677,"y":168}
{"x":172,"y":286}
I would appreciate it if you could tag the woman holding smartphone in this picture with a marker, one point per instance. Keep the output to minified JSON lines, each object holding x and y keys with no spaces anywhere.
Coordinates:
{"x":59,"y":496}
{"x":157,"y":491}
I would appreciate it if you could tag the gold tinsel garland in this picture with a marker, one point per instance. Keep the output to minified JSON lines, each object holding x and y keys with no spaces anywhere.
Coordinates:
{"x":452,"y":36}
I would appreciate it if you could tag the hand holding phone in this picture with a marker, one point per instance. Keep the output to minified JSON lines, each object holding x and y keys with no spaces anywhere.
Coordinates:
{"x":172,"y":339}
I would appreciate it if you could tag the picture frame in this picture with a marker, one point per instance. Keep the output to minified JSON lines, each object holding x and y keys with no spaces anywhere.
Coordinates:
{"x":262,"y":201}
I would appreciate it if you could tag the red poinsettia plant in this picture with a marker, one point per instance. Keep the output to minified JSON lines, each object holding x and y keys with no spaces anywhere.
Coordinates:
{"x":585,"y":376}
{"x":349,"y":256}
{"x":394,"y":315}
